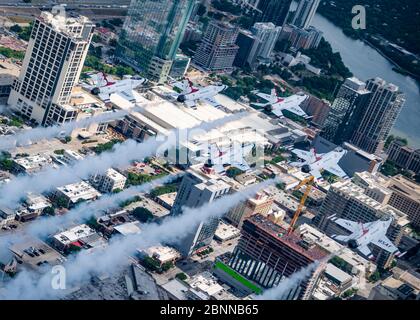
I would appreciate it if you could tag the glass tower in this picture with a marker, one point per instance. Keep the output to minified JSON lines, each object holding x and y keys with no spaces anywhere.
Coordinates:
{"x":152,"y":33}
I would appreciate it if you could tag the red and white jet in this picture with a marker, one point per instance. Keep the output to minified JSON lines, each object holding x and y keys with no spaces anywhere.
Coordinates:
{"x":314,"y":163}
{"x":278,"y":104}
{"x":363,"y":234}
{"x":191,"y":94}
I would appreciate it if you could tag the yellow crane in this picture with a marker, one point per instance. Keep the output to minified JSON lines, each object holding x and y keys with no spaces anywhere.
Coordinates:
{"x":309,"y":182}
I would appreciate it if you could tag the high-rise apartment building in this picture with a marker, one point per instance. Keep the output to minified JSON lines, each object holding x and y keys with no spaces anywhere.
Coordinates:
{"x":406,"y":198}
{"x":275,"y":11}
{"x":218,"y":49}
{"x":198,"y":187}
{"x":265,"y":254}
{"x":151,"y":35}
{"x":248,"y":48}
{"x":379,"y":116}
{"x":349,"y":201}
{"x":304,"y":13}
{"x":346,"y":111}
{"x":268,"y":34}
{"x":52,"y":66}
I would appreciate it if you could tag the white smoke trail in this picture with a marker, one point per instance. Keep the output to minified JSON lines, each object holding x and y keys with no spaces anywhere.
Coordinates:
{"x":81,"y":267}
{"x":286,"y":285}
{"x":28,"y":136}
{"x":121,"y":155}
{"x":47,"y":225}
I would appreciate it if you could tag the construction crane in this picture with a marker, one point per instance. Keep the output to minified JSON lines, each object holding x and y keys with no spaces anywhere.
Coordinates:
{"x":308,"y":182}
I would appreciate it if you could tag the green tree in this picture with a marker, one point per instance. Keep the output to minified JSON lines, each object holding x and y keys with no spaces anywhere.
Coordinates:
{"x":232,"y":172}
{"x":142,"y":214}
{"x":49,"y":211}
{"x":181,"y":276}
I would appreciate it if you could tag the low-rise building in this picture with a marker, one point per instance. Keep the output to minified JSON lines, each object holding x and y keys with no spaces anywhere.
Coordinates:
{"x":81,"y":236}
{"x":76,"y":192}
{"x":7,"y":215}
{"x":162,"y":254}
{"x":108,"y":182}
{"x":30,"y":164}
{"x":226,"y":232}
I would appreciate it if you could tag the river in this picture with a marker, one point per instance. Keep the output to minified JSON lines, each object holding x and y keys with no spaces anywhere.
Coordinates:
{"x":365,"y":63}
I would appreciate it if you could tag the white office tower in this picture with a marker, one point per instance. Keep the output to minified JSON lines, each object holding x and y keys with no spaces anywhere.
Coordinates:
{"x":268,"y":34}
{"x":304,"y":13}
{"x":52,"y":66}
{"x":199,"y":186}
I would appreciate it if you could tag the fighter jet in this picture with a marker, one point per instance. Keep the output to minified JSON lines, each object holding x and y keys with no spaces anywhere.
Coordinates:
{"x":363,"y":234}
{"x":220,"y":158}
{"x":190,"y":94}
{"x":279,"y":104}
{"x":103,"y":87}
{"x":314,"y":163}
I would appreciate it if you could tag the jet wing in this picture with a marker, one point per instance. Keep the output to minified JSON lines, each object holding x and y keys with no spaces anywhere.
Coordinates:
{"x":335,"y":169}
{"x":316,"y":173}
{"x":384,"y":243}
{"x":348,"y":224}
{"x":297,"y":110}
{"x":277,"y":111}
{"x":190,"y":103}
{"x":308,"y":156}
{"x":265,"y":96}
{"x":365,"y":251}
{"x":213,"y":102}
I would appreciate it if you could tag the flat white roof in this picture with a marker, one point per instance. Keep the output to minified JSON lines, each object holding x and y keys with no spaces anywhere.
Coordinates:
{"x":74,"y":234}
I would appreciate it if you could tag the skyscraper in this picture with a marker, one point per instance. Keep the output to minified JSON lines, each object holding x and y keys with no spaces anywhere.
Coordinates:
{"x":198,"y":187}
{"x":275,"y":11}
{"x":304,"y":13}
{"x":268,"y":34}
{"x":266,"y":254}
{"x":248,"y":48}
{"x":346,"y":111}
{"x":218,"y":49}
{"x":52,"y":66}
{"x":151,"y":35}
{"x":379,"y":116}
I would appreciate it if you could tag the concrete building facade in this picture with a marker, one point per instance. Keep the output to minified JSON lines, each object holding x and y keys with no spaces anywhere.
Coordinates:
{"x":52,"y":66}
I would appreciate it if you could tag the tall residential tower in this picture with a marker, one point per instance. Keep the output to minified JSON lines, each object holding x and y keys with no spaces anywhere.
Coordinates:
{"x":151,"y":35}
{"x":379,"y":116}
{"x":346,"y":111}
{"x":52,"y":66}
{"x":304,"y":13}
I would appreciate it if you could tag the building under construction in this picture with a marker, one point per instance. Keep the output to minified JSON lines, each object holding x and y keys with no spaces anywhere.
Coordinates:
{"x":266,"y":254}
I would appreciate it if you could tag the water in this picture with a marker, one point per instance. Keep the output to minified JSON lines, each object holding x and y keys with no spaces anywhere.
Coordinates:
{"x":365,"y":63}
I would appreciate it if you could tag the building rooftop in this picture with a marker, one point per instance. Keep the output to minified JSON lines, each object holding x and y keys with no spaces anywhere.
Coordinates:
{"x":405,"y":186}
{"x":226,"y":231}
{"x":293,"y":240}
{"x":206,"y":283}
{"x":128,"y":228}
{"x":35,"y":253}
{"x":70,"y":26}
{"x":79,"y":190}
{"x":162,"y":253}
{"x":74,"y":234}
{"x":337,"y":273}
{"x":33,"y":162}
